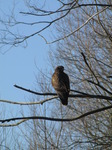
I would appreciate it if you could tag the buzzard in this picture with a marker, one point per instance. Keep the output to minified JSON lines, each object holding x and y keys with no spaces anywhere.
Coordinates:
{"x":60,"y":82}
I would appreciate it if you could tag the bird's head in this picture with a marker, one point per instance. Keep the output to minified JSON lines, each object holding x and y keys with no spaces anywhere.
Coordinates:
{"x":59,"y":68}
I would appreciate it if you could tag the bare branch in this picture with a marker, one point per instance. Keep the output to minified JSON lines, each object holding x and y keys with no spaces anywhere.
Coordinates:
{"x":12,"y":125}
{"x":61,"y":9}
{"x":101,"y":5}
{"x":79,"y":27}
{"x":15,"y":40}
{"x":81,"y":95}
{"x":33,"y":92}
{"x":29,"y":103}
{"x":54,"y":97}
{"x":98,"y":84}
{"x":58,"y":119}
{"x":85,"y":60}
{"x":42,"y":12}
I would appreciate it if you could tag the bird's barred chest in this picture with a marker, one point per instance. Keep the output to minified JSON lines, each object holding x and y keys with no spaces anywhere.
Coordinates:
{"x":58,"y":80}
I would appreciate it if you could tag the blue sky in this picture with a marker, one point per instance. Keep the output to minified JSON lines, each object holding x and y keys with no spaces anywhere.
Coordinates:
{"x":17,"y":66}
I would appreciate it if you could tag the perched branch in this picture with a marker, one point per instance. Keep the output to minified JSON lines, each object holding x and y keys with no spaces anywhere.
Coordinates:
{"x":78,"y":92}
{"x":33,"y":92}
{"x":57,"y":119}
{"x":49,"y":99}
{"x":81,"y":95}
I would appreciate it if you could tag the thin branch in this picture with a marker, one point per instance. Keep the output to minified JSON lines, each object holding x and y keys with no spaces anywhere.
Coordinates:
{"x":43,"y":13}
{"x":20,"y":40}
{"x":12,"y":125}
{"x":98,"y":60}
{"x":104,"y":28}
{"x":78,"y":28}
{"x":97,"y":84}
{"x":58,"y":119}
{"x":14,"y":41}
{"x":29,"y":103}
{"x":33,"y":92}
{"x":85,"y":60}
{"x":78,"y":92}
{"x":60,"y":10}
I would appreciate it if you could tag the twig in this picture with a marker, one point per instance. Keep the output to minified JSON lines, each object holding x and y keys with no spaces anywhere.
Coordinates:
{"x":89,"y":66}
{"x":79,"y":27}
{"x":97,"y":84}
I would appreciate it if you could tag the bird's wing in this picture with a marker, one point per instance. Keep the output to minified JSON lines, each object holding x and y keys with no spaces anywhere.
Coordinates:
{"x":65,"y":84}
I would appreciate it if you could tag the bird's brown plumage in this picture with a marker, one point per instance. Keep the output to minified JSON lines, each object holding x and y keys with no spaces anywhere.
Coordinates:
{"x":60,"y":82}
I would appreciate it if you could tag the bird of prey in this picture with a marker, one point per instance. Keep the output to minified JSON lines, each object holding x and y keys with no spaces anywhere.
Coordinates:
{"x":61,"y":84}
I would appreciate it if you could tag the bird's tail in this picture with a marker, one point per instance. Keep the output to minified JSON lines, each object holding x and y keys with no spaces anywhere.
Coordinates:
{"x":63,"y":97}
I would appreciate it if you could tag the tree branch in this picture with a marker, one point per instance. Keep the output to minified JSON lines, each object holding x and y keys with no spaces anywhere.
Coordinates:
{"x":61,"y":9}
{"x":66,"y":36}
{"x":29,"y":103}
{"x":98,"y":84}
{"x":85,"y":60}
{"x":12,"y":125}
{"x":33,"y":92}
{"x":57,"y":119}
{"x":64,"y":10}
{"x":81,"y":95}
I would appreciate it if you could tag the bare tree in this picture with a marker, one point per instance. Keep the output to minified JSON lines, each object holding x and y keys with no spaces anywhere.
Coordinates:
{"x":87,"y":57}
{"x":84,"y":47}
